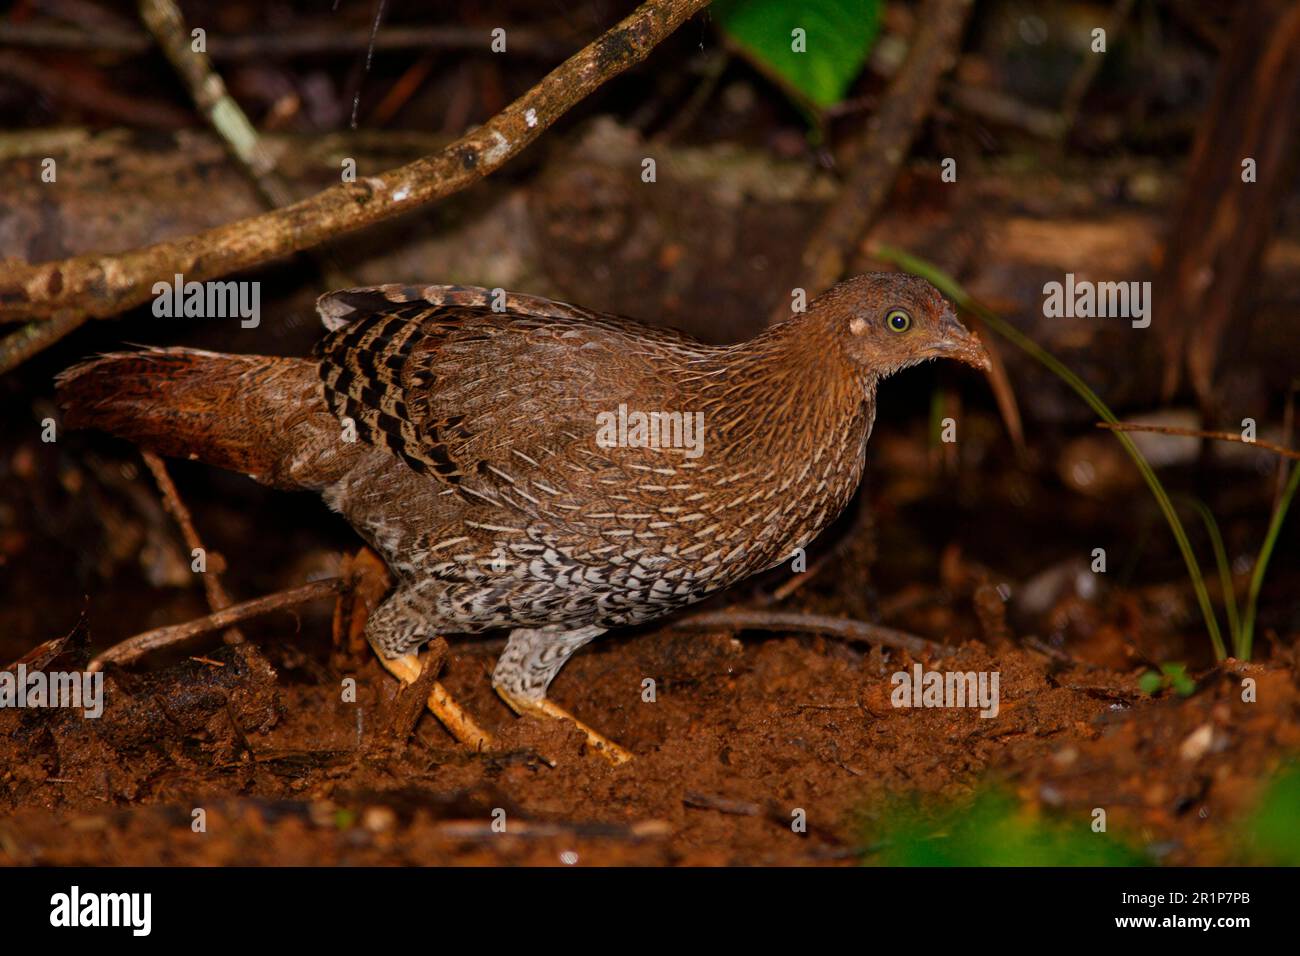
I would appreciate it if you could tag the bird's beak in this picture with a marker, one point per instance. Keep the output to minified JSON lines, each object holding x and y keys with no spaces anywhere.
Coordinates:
{"x":956,"y":342}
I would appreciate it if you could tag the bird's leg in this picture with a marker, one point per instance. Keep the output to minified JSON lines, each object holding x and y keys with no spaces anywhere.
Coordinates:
{"x":395,"y":629}
{"x":526,"y":667}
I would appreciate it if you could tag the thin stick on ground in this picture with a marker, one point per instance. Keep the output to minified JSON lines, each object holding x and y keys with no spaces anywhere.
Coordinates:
{"x":846,"y":629}
{"x":100,"y":285}
{"x":1199,"y":433}
{"x":213,"y":589}
{"x":708,"y":801}
{"x":799,"y":580}
{"x":409,"y":704}
{"x":546,"y":829}
{"x":139,"y":645}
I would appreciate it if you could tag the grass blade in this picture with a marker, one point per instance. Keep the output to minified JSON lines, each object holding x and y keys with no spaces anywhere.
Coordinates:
{"x":1261,"y":564}
{"x":1225,"y":575}
{"x":950,"y":287}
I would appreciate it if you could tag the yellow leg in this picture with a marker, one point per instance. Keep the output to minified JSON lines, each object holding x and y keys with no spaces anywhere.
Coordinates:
{"x":454,"y":717}
{"x":545,"y":708}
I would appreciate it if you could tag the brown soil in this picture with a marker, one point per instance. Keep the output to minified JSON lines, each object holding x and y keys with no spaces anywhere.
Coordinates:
{"x":739,"y":736}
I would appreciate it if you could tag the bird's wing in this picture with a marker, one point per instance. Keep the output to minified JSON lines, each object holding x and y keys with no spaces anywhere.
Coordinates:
{"x":495,"y":397}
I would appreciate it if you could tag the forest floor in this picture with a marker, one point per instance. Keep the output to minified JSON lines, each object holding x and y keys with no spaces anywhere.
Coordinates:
{"x":741,"y":737}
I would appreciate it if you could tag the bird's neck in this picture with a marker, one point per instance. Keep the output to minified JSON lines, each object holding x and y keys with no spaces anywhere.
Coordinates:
{"x":787,"y":417}
{"x":787,"y":393}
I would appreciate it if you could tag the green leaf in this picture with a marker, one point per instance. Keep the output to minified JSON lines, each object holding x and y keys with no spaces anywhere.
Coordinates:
{"x":990,"y":829}
{"x":837,"y":36}
{"x":1271,"y":833}
{"x":1177,"y":677}
{"x":1150,"y":682}
{"x":1183,"y":685}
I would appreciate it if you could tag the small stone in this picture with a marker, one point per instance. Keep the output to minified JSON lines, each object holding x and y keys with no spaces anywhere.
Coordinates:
{"x":1065,"y":757}
{"x":1198,"y":743}
{"x":378,"y":819}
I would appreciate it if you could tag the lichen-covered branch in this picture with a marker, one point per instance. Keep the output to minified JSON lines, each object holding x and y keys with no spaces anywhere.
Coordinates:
{"x":104,"y":285}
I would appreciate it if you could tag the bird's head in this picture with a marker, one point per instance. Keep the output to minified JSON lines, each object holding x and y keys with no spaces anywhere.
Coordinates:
{"x":887,"y":321}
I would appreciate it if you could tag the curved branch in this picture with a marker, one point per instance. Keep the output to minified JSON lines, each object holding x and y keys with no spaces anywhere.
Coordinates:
{"x":103,"y":285}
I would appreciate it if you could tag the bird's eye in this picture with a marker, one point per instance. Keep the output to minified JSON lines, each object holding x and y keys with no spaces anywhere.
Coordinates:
{"x":898,"y":320}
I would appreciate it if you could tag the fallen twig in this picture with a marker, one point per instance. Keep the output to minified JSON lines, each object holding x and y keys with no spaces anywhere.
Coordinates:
{"x":409,"y":703}
{"x":802,"y":578}
{"x":1198,"y":433}
{"x":846,"y":629}
{"x":216,"y":594}
{"x":707,"y":801}
{"x":487,"y":830}
{"x":141,"y":644}
{"x":1055,"y":653}
{"x":771,"y":810}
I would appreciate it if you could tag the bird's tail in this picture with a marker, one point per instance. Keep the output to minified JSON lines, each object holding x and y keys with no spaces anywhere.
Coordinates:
{"x":249,"y":413}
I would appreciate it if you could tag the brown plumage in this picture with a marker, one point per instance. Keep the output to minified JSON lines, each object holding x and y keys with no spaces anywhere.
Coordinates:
{"x":460,"y":434}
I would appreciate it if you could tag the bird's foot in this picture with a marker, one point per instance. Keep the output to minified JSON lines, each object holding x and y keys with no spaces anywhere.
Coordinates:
{"x":443,"y":706}
{"x":611,"y":751}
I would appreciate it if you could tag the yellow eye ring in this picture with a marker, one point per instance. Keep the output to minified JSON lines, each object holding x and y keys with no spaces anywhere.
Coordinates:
{"x":898,"y":321}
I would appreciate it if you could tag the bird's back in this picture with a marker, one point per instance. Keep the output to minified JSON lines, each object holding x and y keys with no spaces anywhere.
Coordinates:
{"x":559,"y":465}
{"x":521,"y":462}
